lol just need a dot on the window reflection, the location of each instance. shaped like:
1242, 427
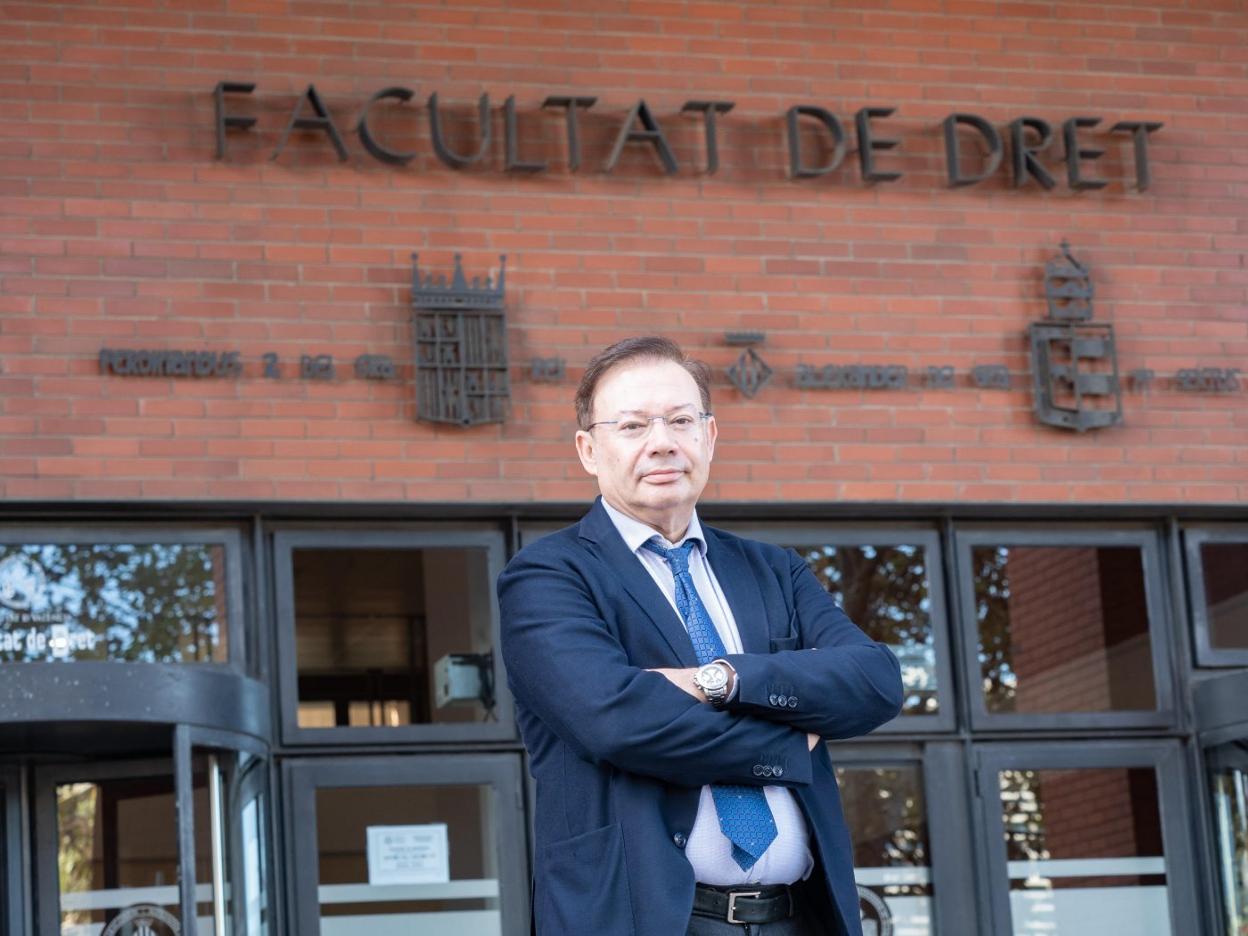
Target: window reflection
884, 590
1224, 567
1085, 853
152, 603
1063, 628
887, 817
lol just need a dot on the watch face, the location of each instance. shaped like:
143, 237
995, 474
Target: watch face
712, 676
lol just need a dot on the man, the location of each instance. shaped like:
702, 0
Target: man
673, 685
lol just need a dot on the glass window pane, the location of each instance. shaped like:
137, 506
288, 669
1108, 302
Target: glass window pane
1085, 852
1224, 567
117, 855
414, 859
1063, 628
152, 603
884, 590
887, 817
1229, 776
388, 637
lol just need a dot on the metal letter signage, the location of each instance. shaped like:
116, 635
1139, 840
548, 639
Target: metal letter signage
1074, 362
460, 335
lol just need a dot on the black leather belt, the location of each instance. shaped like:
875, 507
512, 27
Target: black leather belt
760, 903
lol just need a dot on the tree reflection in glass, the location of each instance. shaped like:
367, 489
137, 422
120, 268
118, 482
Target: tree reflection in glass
884, 590
154, 602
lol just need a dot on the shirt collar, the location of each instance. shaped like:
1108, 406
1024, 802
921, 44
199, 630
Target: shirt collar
635, 532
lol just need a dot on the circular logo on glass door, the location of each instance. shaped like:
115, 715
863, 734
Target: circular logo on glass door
21, 581
143, 920
877, 919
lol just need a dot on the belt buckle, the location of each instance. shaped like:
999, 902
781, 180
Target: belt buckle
732, 904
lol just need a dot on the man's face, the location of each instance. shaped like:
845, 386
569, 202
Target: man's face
658, 476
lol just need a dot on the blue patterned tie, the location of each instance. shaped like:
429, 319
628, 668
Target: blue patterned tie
744, 816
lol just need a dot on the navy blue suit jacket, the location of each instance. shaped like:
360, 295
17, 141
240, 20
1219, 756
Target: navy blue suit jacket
619, 754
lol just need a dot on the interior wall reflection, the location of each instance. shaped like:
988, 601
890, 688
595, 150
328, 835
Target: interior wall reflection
1063, 628
1224, 568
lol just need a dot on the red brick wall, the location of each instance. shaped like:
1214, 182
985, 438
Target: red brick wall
119, 228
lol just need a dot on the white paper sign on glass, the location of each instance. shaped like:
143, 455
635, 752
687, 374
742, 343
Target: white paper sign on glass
409, 854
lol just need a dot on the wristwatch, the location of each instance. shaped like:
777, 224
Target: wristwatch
712, 679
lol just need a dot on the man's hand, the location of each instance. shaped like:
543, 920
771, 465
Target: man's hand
682, 679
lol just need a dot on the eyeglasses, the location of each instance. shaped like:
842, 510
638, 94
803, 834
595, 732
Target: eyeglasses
638, 427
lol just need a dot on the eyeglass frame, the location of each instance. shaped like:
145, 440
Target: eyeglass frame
649, 421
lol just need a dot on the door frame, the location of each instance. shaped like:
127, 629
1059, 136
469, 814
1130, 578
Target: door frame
45, 780
302, 777
15, 857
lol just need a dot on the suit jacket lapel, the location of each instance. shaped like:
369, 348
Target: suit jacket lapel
611, 548
738, 580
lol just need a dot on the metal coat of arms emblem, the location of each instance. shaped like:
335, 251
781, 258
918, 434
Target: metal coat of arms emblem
1074, 360
460, 335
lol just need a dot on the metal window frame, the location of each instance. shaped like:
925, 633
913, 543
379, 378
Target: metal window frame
950, 818
885, 534
1193, 537
302, 777
15, 857
285, 540
1148, 540
147, 533
1165, 757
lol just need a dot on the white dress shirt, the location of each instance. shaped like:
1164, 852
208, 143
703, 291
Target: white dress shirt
788, 857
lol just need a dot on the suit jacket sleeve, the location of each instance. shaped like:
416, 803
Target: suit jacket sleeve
568, 669
836, 682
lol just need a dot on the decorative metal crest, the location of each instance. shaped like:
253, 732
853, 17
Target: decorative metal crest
460, 335
1074, 361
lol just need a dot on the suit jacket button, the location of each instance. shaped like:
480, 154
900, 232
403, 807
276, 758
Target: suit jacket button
782, 700
758, 770
679, 839
772, 699
767, 771
792, 701
777, 771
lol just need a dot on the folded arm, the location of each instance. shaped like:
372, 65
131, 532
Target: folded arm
838, 684
566, 666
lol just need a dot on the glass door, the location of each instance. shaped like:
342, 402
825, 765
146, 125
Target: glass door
162, 847
1228, 778
422, 845
1088, 839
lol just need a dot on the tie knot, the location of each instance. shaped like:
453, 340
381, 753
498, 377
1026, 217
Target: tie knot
677, 557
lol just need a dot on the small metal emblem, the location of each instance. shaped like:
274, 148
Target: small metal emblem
460, 334
750, 374
143, 920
